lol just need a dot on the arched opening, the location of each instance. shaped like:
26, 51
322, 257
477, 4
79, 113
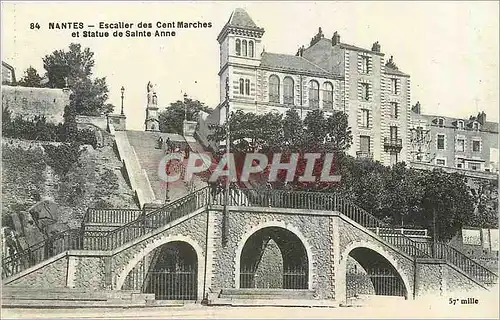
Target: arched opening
370, 273
169, 271
274, 258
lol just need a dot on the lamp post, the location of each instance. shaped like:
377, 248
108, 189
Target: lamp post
226, 193
123, 91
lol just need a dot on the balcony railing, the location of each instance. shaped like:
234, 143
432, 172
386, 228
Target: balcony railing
364, 155
392, 144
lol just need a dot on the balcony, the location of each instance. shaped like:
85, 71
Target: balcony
364, 155
393, 145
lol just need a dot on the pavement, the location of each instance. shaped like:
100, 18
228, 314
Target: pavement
437, 308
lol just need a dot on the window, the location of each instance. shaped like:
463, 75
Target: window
441, 162
288, 90
440, 122
365, 118
364, 144
238, 47
247, 87
476, 126
460, 124
244, 48
394, 110
440, 141
313, 94
394, 133
327, 95
364, 64
274, 89
394, 86
242, 86
250, 49
474, 166
365, 92
420, 134
461, 145
476, 146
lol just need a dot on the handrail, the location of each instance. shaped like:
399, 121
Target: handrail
109, 240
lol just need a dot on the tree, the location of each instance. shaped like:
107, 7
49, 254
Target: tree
172, 118
31, 78
73, 68
448, 197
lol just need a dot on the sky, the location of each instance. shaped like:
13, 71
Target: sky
450, 49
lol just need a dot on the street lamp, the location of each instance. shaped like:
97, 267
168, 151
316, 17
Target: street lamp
122, 90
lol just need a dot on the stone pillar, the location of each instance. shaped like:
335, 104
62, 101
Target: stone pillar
189, 127
118, 121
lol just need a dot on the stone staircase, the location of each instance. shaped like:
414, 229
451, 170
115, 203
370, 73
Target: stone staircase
145, 144
22, 297
267, 297
137, 177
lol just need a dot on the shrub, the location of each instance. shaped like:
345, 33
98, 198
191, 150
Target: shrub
61, 158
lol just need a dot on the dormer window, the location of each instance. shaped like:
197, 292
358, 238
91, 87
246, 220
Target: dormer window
440, 122
475, 126
460, 124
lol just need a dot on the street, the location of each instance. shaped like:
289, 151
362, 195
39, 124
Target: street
439, 308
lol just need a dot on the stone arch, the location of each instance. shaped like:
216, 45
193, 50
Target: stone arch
279, 224
341, 284
157, 243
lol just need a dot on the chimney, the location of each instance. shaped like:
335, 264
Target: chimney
481, 118
376, 47
335, 39
416, 108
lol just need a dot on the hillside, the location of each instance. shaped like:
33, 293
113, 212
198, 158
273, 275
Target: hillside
96, 181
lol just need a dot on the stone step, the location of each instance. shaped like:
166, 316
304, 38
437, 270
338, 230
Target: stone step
272, 303
70, 294
258, 293
9, 303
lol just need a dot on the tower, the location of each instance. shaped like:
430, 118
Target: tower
240, 55
152, 123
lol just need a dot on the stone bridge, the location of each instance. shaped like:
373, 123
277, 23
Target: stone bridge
197, 248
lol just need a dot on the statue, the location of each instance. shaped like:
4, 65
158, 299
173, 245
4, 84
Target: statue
155, 98
150, 91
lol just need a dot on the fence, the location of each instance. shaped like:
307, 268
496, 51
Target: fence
80, 239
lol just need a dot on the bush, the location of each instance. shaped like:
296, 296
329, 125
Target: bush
61, 158
39, 129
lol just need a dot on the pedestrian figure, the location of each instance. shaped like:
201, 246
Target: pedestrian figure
168, 145
160, 143
186, 152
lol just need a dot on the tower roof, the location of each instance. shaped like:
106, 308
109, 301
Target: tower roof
240, 23
240, 18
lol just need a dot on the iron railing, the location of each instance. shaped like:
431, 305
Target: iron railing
41, 251
108, 240
111, 216
173, 285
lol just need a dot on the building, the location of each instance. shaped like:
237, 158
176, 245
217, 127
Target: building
328, 75
469, 146
8, 74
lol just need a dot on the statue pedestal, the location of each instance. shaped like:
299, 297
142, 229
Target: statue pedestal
118, 121
189, 127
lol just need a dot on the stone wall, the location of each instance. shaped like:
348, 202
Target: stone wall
30, 102
51, 275
352, 237
193, 228
242, 224
90, 273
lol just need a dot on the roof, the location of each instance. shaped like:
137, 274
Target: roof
397, 72
291, 63
356, 48
240, 18
241, 21
489, 126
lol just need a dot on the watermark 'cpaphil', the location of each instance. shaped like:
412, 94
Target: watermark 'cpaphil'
240, 167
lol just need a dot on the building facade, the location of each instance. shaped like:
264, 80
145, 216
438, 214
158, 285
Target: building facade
467, 145
8, 74
328, 75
